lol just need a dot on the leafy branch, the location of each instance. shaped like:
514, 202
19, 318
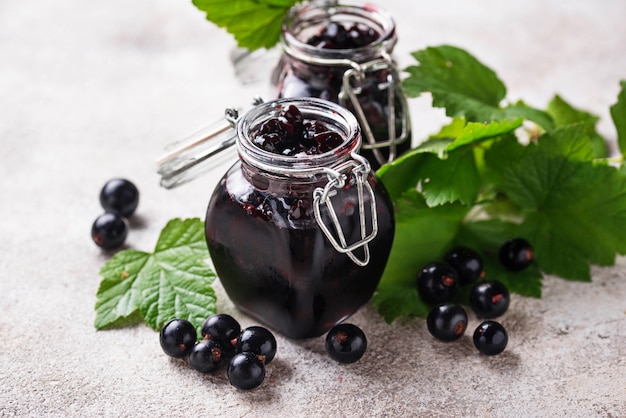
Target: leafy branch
475, 184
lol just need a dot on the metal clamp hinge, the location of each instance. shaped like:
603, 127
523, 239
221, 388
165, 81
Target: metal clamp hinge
322, 196
349, 94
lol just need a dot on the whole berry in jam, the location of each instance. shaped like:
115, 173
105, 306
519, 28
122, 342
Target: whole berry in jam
177, 338
257, 340
516, 254
326, 141
447, 322
224, 329
292, 120
245, 371
206, 356
119, 196
109, 231
489, 299
467, 263
490, 338
437, 282
345, 343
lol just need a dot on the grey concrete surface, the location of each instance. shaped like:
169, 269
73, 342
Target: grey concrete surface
93, 90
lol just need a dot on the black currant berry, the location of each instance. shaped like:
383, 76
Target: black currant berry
447, 322
490, 338
489, 299
177, 338
516, 254
109, 231
437, 282
327, 141
257, 340
467, 263
119, 196
245, 371
224, 329
292, 120
221, 327
206, 356
345, 343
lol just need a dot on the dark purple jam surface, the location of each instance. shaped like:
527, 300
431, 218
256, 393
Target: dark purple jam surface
290, 134
299, 79
277, 265
336, 36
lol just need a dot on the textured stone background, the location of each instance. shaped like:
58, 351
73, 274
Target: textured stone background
93, 90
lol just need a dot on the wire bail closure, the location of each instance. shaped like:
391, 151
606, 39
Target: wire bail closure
350, 94
322, 196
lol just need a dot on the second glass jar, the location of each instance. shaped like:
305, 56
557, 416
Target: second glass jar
342, 53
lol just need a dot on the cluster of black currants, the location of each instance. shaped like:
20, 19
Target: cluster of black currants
290, 134
245, 352
119, 199
438, 282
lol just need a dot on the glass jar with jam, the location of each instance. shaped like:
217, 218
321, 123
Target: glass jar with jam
343, 53
299, 229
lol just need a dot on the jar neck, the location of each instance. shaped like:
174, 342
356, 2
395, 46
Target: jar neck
306, 19
302, 167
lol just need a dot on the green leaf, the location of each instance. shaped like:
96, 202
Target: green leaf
457, 81
393, 301
172, 282
474, 132
450, 179
522, 110
465, 87
618, 114
119, 295
569, 142
406, 171
565, 114
486, 234
403, 173
254, 23
576, 209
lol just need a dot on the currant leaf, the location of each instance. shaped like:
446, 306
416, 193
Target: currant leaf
254, 24
172, 282
565, 114
618, 113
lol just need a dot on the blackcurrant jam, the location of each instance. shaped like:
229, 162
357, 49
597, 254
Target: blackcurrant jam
342, 53
299, 229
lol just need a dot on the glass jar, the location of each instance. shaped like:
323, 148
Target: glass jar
363, 79
299, 242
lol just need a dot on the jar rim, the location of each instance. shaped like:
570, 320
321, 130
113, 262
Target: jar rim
316, 12
304, 166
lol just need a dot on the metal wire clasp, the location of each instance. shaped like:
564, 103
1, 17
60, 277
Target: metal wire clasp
337, 178
349, 93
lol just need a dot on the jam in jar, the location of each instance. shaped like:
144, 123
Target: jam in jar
299, 229
342, 53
